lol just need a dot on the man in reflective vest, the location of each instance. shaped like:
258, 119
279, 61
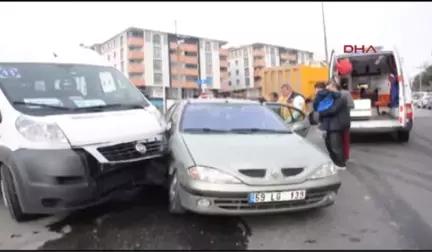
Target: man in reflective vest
291, 98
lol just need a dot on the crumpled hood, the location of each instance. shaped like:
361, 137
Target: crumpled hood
105, 127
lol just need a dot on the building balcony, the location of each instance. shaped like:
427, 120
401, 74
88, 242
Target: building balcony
257, 72
139, 82
288, 57
184, 71
135, 68
135, 55
184, 59
136, 42
258, 53
223, 52
259, 63
223, 63
185, 47
184, 84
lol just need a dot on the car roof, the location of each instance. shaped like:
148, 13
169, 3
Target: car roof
220, 100
50, 54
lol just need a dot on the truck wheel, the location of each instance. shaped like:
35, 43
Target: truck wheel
175, 206
10, 196
403, 136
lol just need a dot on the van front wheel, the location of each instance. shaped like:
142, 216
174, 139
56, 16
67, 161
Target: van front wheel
403, 136
10, 197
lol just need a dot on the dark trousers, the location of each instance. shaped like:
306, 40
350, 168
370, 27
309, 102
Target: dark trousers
335, 146
346, 141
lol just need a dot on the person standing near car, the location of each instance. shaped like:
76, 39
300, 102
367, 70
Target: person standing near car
346, 94
337, 118
274, 97
293, 99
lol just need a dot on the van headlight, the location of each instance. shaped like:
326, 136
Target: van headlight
323, 171
211, 175
40, 131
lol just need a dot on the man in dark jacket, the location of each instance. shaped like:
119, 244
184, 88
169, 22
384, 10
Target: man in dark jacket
337, 119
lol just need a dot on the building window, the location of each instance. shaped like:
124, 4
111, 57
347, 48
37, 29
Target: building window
245, 52
246, 62
157, 78
246, 70
237, 72
114, 55
157, 52
122, 66
207, 46
209, 64
121, 53
121, 40
247, 82
108, 57
236, 62
156, 39
229, 83
229, 64
157, 65
238, 82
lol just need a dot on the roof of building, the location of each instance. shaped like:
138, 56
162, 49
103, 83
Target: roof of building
266, 44
222, 42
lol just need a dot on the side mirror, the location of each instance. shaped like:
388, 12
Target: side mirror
301, 128
169, 126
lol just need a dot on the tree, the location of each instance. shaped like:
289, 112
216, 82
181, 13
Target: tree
426, 79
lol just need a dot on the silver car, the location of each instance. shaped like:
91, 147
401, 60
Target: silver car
239, 157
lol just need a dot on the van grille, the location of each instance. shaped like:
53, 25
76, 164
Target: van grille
127, 151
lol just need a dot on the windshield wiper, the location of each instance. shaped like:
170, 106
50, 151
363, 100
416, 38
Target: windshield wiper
255, 130
109, 106
200, 130
41, 105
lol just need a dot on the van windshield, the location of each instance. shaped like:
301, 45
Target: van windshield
67, 88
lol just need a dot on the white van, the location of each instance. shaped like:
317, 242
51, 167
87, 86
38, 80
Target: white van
375, 110
73, 130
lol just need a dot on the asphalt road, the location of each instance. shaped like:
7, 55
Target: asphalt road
384, 203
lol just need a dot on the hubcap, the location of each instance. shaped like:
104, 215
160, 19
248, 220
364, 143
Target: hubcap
3, 192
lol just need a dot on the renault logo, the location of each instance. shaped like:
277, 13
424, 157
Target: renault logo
140, 147
275, 174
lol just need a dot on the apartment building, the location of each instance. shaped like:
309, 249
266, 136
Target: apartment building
246, 62
154, 60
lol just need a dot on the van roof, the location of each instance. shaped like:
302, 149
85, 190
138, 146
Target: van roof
34, 54
351, 55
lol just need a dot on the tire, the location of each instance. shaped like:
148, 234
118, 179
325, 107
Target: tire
403, 136
10, 196
429, 108
175, 206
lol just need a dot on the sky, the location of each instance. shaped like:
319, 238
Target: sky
290, 24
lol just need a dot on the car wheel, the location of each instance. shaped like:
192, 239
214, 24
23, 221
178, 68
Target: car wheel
403, 136
10, 197
429, 108
175, 206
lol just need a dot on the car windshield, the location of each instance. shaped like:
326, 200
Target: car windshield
67, 88
226, 117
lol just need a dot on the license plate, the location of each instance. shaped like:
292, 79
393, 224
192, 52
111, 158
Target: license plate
262, 197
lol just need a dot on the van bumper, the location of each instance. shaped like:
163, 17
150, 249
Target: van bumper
53, 181
378, 126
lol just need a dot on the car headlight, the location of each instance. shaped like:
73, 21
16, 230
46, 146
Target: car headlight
157, 114
323, 171
40, 131
211, 175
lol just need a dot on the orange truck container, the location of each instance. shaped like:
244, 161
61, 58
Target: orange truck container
302, 78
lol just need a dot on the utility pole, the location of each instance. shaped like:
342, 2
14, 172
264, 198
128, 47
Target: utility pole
179, 68
325, 32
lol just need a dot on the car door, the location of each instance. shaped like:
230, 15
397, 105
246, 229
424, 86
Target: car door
296, 119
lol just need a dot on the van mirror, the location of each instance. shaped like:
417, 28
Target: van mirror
1, 117
169, 126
